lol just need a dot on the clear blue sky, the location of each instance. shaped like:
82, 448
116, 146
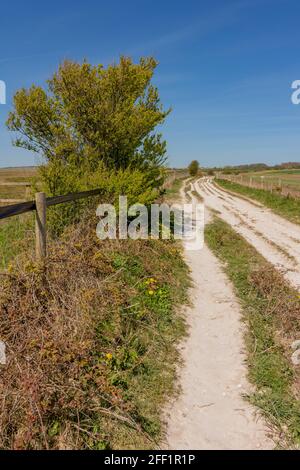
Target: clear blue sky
226, 67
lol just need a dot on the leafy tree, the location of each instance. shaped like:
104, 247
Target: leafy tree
89, 116
193, 168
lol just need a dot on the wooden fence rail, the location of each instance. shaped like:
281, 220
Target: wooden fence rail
39, 205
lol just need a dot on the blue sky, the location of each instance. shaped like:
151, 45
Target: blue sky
226, 68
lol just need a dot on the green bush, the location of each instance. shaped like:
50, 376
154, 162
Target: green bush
57, 178
193, 168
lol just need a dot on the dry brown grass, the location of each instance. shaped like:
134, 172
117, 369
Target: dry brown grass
283, 301
283, 304
17, 174
90, 351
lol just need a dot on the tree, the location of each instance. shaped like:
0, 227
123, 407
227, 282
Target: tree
193, 168
90, 115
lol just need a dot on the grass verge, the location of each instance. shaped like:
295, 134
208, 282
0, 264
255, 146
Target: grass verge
16, 236
272, 315
91, 342
172, 192
282, 205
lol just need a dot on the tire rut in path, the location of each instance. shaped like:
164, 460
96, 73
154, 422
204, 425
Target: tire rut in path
210, 412
274, 237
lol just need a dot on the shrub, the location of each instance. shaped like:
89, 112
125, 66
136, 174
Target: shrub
193, 168
91, 116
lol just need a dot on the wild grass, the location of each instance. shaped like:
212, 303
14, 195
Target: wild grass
15, 175
272, 315
12, 192
18, 173
284, 206
16, 236
172, 192
91, 342
289, 178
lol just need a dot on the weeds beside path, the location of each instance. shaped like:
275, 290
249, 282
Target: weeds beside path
90, 342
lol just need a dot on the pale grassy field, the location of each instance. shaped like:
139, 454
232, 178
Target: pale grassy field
15, 232
15, 175
289, 178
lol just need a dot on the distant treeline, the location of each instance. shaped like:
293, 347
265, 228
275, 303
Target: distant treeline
254, 167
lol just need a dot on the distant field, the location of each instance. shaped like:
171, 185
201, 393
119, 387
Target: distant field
289, 178
15, 232
15, 175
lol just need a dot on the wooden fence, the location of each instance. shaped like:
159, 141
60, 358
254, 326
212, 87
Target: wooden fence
39, 205
263, 183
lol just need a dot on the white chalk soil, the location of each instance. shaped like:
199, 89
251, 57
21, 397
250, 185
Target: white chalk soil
277, 239
210, 411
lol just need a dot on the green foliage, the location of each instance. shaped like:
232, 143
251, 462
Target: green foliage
89, 117
135, 184
193, 168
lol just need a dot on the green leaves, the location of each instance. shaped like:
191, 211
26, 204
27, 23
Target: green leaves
193, 168
95, 128
93, 114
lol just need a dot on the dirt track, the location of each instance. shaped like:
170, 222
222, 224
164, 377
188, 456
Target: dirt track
210, 412
274, 237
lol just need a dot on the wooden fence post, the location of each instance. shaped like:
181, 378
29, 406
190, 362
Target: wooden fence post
40, 226
27, 192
